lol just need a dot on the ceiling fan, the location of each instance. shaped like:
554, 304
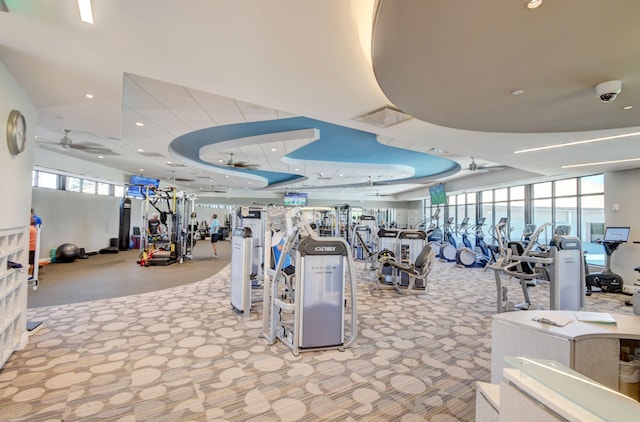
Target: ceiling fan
216, 189
175, 178
90, 147
473, 166
240, 164
378, 194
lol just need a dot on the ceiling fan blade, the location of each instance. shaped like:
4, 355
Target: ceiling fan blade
92, 149
244, 165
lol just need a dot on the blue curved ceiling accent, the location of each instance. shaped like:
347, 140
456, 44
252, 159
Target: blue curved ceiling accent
336, 144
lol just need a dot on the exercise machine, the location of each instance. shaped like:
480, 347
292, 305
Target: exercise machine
387, 244
448, 245
243, 283
606, 280
253, 218
364, 236
564, 267
306, 307
405, 264
467, 255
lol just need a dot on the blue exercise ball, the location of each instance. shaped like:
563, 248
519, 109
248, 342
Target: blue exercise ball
67, 252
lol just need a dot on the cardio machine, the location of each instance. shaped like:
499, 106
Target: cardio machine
606, 280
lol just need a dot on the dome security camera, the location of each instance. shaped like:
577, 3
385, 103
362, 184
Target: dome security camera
608, 91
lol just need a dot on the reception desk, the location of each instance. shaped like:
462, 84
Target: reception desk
592, 349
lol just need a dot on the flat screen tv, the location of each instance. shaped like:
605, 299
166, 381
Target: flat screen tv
438, 194
137, 186
295, 199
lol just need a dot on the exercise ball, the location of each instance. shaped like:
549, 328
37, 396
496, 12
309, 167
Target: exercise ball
67, 252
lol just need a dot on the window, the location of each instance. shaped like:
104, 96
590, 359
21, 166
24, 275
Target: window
592, 184
74, 184
118, 190
88, 186
103, 188
47, 180
542, 190
542, 211
566, 187
592, 218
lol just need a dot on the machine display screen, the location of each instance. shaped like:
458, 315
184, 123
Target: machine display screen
616, 234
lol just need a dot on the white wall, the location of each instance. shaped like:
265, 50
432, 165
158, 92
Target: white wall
15, 172
87, 221
622, 188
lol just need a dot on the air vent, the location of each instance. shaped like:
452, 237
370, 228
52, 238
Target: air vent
384, 117
176, 165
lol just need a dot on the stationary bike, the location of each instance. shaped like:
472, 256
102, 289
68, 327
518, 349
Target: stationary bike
606, 280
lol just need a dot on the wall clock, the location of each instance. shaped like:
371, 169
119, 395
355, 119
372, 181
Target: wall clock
16, 132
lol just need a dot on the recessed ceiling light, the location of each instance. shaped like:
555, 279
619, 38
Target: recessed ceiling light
227, 176
221, 161
89, 96
273, 149
517, 92
296, 169
629, 107
140, 150
626, 160
586, 141
168, 162
100, 156
86, 15
141, 170
534, 4
139, 124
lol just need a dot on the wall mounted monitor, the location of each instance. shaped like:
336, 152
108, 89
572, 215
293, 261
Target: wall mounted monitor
295, 199
438, 194
137, 186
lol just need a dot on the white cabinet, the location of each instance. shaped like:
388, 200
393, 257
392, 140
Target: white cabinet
13, 291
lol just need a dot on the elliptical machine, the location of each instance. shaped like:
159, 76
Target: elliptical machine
449, 245
607, 280
467, 255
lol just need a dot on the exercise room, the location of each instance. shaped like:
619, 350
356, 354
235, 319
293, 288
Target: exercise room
321, 210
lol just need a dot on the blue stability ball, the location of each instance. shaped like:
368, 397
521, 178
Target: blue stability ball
67, 252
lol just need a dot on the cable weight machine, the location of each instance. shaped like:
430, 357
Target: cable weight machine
305, 304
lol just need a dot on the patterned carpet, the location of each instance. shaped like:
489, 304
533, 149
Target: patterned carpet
183, 355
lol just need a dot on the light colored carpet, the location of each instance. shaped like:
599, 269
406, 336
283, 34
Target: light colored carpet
182, 354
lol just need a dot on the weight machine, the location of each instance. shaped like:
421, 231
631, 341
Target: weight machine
177, 212
364, 242
405, 265
305, 304
253, 217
